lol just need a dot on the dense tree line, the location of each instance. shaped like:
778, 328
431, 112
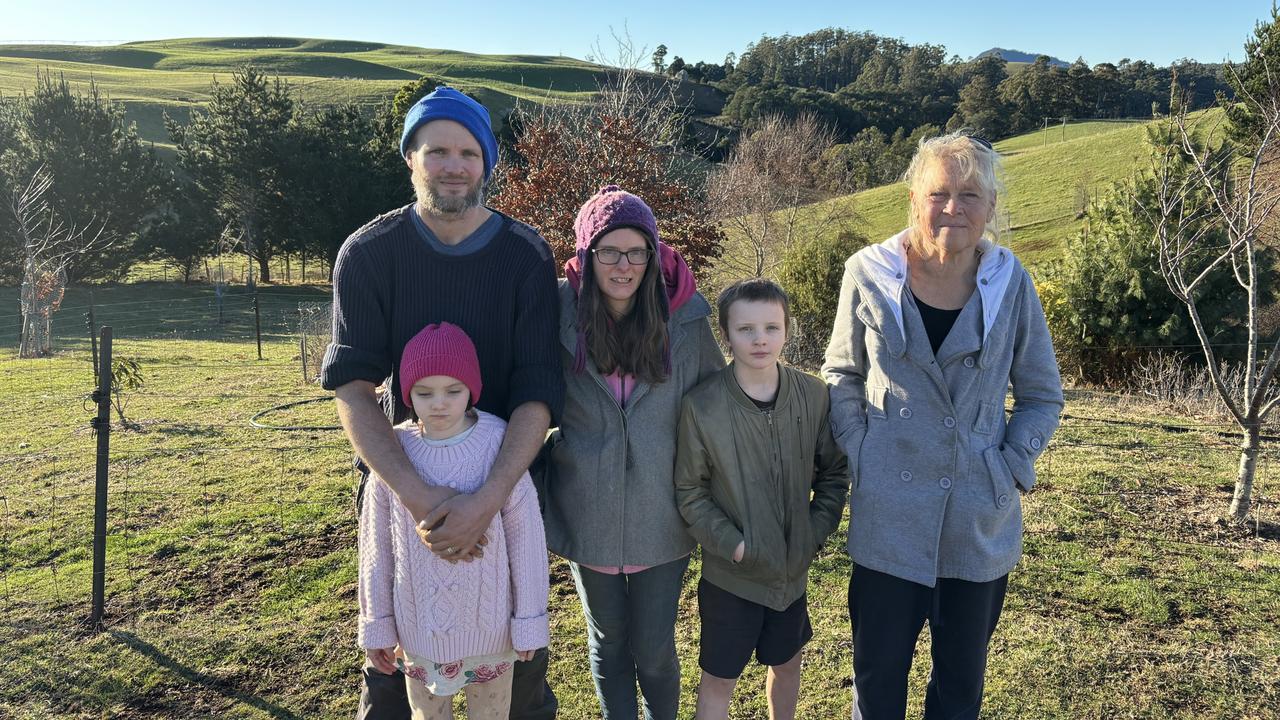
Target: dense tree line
859, 80
259, 172
103, 177
281, 177
255, 171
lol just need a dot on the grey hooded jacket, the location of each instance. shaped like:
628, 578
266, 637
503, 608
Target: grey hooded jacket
610, 488
937, 468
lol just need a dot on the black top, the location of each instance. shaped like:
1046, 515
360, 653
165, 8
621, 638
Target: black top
388, 283
937, 323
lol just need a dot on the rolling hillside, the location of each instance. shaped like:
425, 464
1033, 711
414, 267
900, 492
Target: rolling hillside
1046, 178
151, 78
1048, 173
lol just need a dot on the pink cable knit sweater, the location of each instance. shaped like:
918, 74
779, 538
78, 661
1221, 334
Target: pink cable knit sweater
441, 611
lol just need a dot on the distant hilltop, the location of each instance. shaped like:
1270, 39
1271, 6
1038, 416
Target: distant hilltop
1022, 57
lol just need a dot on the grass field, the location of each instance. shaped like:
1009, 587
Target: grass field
231, 563
173, 76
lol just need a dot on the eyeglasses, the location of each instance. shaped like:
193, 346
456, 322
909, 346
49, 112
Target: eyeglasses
612, 256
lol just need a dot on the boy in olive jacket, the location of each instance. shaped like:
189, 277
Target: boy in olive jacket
761, 483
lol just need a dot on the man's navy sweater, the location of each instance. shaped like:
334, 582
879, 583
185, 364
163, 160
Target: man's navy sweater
388, 283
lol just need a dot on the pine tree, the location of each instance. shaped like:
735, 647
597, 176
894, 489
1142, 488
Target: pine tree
238, 152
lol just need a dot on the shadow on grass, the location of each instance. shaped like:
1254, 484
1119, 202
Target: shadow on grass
195, 677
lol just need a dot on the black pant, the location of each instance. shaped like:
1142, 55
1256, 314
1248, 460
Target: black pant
383, 697
887, 614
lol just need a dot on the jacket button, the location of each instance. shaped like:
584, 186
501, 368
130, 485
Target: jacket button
905, 413
905, 475
1003, 501
984, 281
1035, 443
968, 362
945, 483
949, 421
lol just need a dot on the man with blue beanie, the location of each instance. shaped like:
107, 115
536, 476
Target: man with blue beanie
447, 258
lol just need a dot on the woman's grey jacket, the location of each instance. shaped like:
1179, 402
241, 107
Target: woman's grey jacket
610, 489
937, 469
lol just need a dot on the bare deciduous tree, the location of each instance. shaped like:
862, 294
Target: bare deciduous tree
1208, 189
766, 198
49, 245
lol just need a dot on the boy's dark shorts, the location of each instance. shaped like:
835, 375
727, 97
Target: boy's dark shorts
733, 628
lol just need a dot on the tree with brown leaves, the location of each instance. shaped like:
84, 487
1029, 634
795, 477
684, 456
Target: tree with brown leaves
627, 137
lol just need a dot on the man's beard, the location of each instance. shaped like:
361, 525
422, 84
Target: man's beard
433, 203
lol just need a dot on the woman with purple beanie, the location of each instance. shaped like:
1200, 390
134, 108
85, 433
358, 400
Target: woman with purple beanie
636, 337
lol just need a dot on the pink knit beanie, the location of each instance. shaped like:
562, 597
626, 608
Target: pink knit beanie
442, 349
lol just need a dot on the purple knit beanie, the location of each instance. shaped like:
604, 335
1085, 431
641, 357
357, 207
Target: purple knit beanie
442, 349
610, 209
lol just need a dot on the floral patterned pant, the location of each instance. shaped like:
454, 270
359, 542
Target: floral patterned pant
486, 700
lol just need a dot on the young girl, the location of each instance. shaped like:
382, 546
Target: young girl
457, 625
635, 338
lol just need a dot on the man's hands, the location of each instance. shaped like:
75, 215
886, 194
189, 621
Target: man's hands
739, 551
454, 529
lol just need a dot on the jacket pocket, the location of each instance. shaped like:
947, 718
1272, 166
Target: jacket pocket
1003, 491
760, 561
988, 416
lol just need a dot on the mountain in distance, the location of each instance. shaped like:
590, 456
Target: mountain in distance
1021, 57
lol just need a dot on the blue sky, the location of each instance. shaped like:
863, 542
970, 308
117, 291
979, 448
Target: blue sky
1098, 30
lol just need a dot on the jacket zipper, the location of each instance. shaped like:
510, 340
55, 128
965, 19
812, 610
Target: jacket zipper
622, 512
778, 492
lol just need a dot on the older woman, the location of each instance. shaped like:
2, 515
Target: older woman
933, 326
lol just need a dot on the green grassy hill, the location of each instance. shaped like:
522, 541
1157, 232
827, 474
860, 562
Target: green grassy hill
1050, 173
1047, 178
152, 78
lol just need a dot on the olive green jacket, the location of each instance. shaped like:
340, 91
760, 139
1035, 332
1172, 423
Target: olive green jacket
775, 479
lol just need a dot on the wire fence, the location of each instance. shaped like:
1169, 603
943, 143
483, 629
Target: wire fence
216, 522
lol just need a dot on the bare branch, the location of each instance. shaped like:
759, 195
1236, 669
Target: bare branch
765, 195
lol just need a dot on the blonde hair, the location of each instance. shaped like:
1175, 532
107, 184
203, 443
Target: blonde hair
975, 161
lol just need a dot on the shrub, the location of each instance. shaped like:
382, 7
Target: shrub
811, 273
1106, 301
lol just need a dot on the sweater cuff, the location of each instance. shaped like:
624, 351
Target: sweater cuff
1020, 467
850, 442
343, 364
378, 633
530, 633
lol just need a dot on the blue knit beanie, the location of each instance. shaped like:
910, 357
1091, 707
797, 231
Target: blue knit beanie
445, 103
